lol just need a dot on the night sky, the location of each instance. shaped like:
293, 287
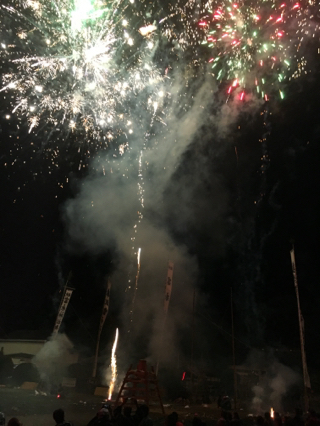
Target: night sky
234, 211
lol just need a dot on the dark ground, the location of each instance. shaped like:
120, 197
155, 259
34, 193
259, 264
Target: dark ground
32, 409
36, 410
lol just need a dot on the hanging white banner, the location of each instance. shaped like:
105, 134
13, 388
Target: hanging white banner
104, 314
105, 307
168, 287
62, 309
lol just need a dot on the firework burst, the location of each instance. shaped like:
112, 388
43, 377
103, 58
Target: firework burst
250, 46
76, 65
256, 44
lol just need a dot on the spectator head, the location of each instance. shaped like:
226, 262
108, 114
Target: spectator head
127, 411
58, 416
172, 419
117, 411
14, 422
103, 412
144, 410
174, 415
196, 421
260, 421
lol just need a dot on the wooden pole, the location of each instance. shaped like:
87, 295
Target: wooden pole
192, 339
102, 320
235, 382
306, 379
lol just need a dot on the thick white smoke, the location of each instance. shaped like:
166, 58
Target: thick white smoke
53, 360
276, 380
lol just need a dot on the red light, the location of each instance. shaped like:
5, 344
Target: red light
241, 96
202, 24
183, 376
58, 396
296, 6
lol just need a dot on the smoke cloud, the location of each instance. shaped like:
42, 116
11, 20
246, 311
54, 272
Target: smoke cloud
276, 381
103, 215
53, 360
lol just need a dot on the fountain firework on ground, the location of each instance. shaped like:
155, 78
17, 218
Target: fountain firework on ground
113, 365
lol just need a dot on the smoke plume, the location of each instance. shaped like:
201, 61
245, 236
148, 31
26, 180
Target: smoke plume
103, 215
53, 360
276, 382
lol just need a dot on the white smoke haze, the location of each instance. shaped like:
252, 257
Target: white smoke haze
179, 131
53, 360
258, 398
274, 384
104, 211
106, 374
229, 112
283, 379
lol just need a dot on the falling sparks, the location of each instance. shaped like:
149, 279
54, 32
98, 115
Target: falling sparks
135, 289
80, 66
253, 41
256, 43
113, 365
138, 258
76, 66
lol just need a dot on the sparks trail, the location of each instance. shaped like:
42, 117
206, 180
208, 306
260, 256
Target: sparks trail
265, 160
113, 365
140, 192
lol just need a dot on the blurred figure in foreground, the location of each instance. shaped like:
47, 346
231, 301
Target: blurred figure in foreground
236, 420
58, 417
14, 422
173, 420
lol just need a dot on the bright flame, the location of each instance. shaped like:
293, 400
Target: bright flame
138, 256
148, 29
272, 413
113, 365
